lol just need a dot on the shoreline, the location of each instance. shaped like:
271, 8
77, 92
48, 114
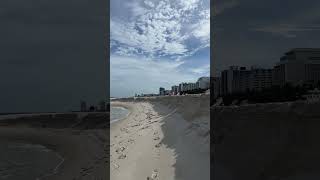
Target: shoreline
127, 106
119, 119
55, 170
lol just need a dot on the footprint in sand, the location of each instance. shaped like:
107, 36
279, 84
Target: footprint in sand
145, 127
122, 156
130, 141
125, 130
116, 166
151, 122
136, 125
121, 149
154, 175
158, 145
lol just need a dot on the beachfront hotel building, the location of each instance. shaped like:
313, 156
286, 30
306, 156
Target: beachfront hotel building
161, 91
240, 80
191, 86
174, 90
230, 78
298, 66
183, 87
203, 83
260, 79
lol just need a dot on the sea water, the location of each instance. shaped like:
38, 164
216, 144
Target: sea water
117, 113
27, 161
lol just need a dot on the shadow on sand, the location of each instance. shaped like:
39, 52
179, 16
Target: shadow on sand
192, 150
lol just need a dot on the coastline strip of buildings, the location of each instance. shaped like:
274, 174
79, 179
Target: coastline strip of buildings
299, 66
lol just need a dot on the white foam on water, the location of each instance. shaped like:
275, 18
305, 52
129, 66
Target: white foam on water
117, 113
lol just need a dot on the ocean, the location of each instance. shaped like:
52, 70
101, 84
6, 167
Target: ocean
117, 113
27, 161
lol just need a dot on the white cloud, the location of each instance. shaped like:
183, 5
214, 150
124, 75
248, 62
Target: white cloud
159, 29
135, 8
202, 28
150, 46
130, 75
149, 3
189, 4
202, 70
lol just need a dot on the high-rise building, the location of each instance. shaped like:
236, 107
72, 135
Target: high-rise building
240, 80
161, 91
175, 90
183, 87
204, 82
229, 80
190, 86
260, 79
298, 66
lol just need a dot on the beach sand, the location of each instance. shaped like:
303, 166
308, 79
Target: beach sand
164, 138
81, 145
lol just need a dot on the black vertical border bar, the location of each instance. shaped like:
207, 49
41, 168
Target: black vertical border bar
107, 64
212, 59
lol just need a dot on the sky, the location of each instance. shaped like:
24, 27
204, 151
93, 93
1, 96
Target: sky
52, 54
251, 32
157, 43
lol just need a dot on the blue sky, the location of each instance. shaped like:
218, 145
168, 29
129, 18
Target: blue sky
157, 43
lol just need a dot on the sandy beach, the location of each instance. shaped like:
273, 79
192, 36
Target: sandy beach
164, 138
81, 143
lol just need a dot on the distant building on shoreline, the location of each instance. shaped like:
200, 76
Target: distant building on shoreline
202, 84
175, 89
240, 80
300, 66
297, 67
146, 95
161, 91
